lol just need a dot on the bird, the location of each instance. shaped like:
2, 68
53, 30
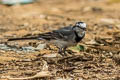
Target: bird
63, 37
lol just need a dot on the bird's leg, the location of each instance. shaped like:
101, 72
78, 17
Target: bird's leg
62, 51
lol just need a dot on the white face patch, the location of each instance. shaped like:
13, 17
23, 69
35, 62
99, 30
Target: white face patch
81, 24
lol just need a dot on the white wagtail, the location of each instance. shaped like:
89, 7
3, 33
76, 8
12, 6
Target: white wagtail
63, 37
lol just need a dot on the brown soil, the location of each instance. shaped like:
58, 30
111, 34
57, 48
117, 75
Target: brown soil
99, 61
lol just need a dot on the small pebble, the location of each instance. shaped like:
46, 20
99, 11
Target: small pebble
40, 47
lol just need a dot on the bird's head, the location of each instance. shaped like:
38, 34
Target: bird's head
81, 25
80, 28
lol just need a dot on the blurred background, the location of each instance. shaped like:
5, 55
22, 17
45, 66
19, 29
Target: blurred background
20, 18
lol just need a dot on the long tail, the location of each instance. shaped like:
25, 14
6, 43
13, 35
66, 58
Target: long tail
28, 38
45, 36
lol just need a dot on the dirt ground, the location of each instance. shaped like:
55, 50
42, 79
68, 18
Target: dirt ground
100, 59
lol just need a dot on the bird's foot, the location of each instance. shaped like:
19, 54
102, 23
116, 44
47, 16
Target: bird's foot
62, 54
